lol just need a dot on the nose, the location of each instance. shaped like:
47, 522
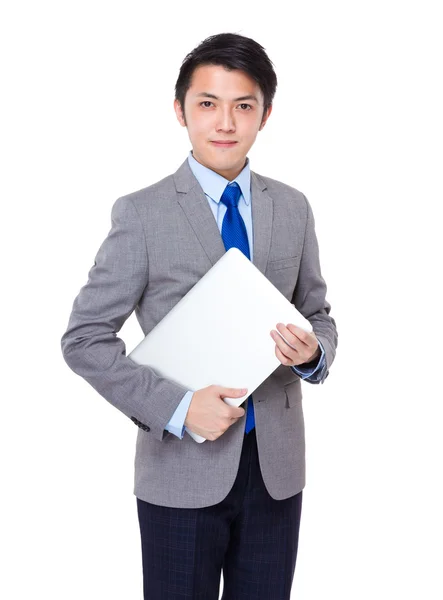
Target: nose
225, 121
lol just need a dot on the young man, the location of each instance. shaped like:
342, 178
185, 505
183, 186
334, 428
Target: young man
234, 502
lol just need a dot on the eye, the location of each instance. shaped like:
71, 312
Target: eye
209, 102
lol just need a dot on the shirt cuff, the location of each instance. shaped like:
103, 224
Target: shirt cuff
176, 423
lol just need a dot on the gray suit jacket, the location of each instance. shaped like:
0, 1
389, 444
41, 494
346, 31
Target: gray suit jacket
163, 239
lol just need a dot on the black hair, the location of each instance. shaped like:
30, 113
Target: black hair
232, 51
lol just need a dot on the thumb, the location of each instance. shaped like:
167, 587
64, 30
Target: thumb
232, 392
236, 411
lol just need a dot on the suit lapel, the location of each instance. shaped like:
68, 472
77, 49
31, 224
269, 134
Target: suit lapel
195, 205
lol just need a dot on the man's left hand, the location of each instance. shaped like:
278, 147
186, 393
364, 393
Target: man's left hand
302, 346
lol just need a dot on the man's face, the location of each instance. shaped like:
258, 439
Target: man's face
228, 116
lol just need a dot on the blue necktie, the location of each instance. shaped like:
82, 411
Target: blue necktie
234, 235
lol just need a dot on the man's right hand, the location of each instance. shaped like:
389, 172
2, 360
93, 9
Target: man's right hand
208, 415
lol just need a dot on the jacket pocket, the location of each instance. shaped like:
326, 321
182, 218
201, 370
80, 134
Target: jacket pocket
283, 263
293, 393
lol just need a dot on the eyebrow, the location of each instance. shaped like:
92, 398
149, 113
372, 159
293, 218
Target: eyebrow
208, 95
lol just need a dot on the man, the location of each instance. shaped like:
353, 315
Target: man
234, 502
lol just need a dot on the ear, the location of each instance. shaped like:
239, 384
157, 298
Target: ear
266, 117
179, 113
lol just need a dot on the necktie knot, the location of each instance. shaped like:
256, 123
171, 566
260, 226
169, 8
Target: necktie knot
231, 195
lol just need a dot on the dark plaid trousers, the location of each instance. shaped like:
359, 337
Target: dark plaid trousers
249, 535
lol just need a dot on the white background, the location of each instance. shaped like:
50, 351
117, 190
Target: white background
87, 116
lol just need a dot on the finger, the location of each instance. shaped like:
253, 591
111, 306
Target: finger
282, 357
300, 334
291, 339
285, 347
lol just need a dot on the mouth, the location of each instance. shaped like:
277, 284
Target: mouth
221, 144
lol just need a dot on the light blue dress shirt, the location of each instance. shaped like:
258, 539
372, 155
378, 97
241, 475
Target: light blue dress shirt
214, 185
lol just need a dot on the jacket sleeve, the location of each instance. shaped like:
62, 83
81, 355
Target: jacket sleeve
90, 345
310, 296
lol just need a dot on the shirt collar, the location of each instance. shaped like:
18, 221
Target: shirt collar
214, 184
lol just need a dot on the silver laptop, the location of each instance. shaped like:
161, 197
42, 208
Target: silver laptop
220, 331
